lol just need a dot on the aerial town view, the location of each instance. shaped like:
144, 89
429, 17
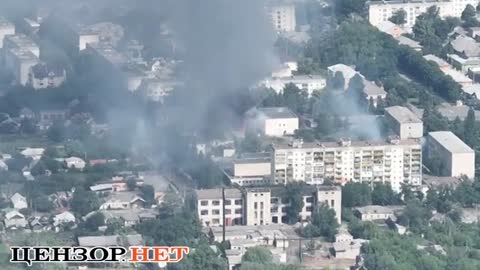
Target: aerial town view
239, 135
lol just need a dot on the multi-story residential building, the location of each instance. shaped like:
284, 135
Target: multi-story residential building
6, 28
211, 203
454, 157
404, 122
283, 17
306, 83
262, 206
273, 121
380, 11
393, 160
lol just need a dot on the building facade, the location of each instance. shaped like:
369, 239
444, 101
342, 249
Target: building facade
451, 154
404, 122
262, 206
6, 28
273, 121
380, 11
283, 17
393, 161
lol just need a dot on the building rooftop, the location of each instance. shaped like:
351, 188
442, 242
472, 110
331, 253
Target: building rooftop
439, 61
111, 240
466, 45
346, 143
450, 141
23, 54
463, 61
403, 40
21, 40
473, 89
216, 193
277, 112
397, 2
347, 71
109, 53
453, 111
437, 181
402, 115
379, 209
386, 26
371, 89
4, 23
457, 76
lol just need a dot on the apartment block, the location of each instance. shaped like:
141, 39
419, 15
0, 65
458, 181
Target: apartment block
262, 206
404, 122
6, 28
211, 203
393, 160
283, 17
380, 11
453, 155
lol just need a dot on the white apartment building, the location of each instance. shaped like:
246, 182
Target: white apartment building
19, 62
307, 83
283, 17
210, 207
394, 161
454, 155
404, 122
380, 11
21, 41
273, 121
262, 206
6, 28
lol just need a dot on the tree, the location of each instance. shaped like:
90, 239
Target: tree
415, 216
356, 194
250, 144
94, 221
399, 17
18, 162
202, 258
41, 203
39, 168
28, 126
258, 255
293, 193
468, 13
56, 132
148, 194
383, 194
84, 202
131, 184
324, 223
344, 8
471, 129
338, 81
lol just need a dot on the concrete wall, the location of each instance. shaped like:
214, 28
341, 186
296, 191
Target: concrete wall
463, 164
